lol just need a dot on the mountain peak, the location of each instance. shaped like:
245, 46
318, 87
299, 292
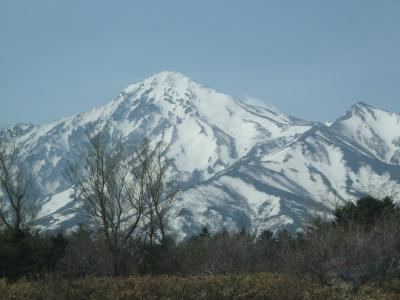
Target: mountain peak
169, 75
164, 80
359, 109
372, 128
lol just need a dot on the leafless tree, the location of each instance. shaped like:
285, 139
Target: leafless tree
100, 174
122, 189
155, 186
17, 196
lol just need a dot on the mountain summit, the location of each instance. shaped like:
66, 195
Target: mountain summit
243, 166
376, 130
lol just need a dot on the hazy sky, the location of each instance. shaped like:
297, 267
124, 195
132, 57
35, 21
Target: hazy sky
310, 59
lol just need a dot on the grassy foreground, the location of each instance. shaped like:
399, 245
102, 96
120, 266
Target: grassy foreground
247, 286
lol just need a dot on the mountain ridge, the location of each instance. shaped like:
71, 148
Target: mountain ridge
241, 165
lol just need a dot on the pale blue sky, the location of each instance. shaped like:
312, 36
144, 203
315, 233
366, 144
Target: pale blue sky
310, 59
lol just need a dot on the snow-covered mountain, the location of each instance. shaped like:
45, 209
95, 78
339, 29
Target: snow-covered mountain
287, 188
375, 130
242, 165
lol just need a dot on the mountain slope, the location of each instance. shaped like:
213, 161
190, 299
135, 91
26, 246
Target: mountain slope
205, 132
242, 166
287, 188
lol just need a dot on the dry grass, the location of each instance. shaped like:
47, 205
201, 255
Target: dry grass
247, 286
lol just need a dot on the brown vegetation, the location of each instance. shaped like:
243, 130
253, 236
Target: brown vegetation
250, 286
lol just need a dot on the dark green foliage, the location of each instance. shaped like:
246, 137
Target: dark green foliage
159, 259
365, 211
29, 254
205, 233
265, 236
58, 243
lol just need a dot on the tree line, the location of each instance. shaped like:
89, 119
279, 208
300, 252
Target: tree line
128, 193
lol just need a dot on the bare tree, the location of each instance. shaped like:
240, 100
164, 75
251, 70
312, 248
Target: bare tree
157, 188
100, 175
121, 191
17, 197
